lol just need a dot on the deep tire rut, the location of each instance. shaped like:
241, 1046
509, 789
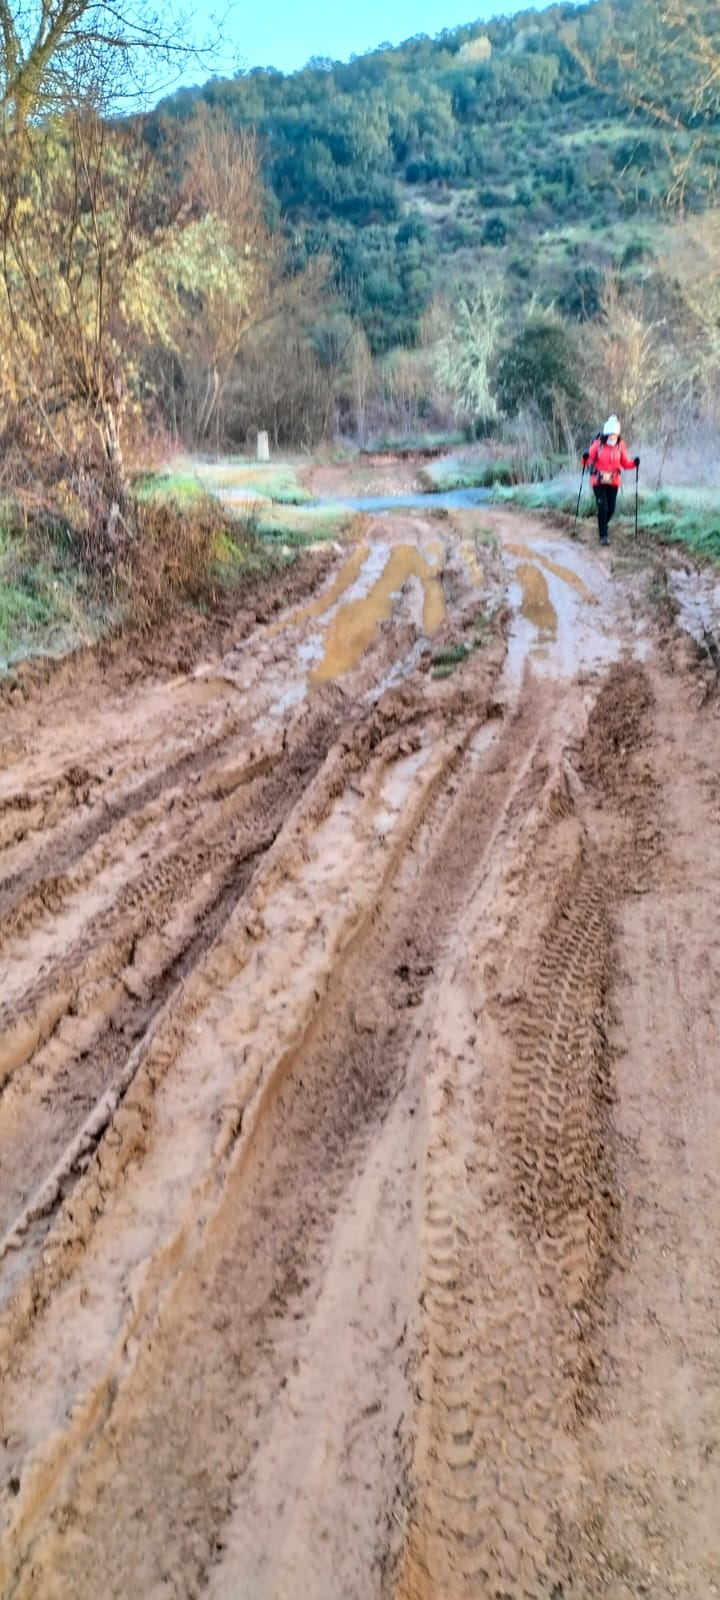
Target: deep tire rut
69, 1042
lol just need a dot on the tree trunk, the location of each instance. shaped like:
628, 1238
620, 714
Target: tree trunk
113, 451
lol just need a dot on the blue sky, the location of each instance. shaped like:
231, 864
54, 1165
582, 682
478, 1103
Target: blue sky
285, 33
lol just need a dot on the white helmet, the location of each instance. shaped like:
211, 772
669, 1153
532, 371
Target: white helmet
611, 426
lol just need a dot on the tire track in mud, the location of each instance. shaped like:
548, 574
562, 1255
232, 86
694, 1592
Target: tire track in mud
67, 1043
67, 1102
555, 1121
520, 1208
496, 909
519, 1225
46, 879
64, 1086
312, 1135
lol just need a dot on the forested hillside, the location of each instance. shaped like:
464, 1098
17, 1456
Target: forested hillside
539, 150
498, 231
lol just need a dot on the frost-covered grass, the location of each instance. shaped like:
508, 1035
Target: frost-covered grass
186, 477
478, 468
265, 499
268, 480
685, 515
413, 443
45, 605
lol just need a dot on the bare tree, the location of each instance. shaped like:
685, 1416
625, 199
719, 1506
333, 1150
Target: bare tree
630, 359
49, 47
469, 329
228, 282
82, 204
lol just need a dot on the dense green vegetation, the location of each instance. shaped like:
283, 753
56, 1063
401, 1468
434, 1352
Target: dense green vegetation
561, 137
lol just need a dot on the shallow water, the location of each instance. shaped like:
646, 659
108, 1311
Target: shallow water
563, 610
356, 621
448, 500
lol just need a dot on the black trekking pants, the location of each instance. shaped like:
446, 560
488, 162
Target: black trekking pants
606, 497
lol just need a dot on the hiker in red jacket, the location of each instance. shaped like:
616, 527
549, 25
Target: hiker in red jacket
607, 457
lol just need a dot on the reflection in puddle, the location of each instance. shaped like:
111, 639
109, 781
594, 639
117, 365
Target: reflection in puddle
567, 575
353, 628
347, 575
536, 604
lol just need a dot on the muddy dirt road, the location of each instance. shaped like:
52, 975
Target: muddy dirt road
360, 1096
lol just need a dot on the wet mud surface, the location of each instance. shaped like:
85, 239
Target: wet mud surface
359, 1018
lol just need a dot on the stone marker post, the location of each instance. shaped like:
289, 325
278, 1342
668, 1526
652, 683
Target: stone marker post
263, 448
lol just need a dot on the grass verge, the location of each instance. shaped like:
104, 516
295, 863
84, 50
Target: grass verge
199, 532
686, 517
187, 478
412, 444
455, 472
48, 605
58, 591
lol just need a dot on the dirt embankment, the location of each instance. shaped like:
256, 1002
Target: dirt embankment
358, 1106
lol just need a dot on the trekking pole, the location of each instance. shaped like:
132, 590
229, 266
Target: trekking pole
637, 475
577, 508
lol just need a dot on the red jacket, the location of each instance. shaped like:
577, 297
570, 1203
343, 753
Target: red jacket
606, 462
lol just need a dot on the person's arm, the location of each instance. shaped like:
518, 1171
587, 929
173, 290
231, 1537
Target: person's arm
627, 461
592, 453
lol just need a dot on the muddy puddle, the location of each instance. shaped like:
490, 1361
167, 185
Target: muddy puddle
349, 573
356, 622
364, 594
557, 623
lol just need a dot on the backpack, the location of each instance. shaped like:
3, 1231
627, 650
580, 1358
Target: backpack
605, 477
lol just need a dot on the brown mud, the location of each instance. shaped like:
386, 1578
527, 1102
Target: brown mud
359, 1152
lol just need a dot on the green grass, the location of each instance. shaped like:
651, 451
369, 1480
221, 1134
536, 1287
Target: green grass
271, 481
21, 611
450, 655
42, 601
180, 486
302, 525
442, 477
547, 496
483, 629
446, 658
278, 533
685, 517
235, 560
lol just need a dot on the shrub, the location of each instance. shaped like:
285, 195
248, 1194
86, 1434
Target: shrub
175, 555
495, 231
542, 368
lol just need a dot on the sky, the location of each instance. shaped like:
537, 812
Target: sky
285, 33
